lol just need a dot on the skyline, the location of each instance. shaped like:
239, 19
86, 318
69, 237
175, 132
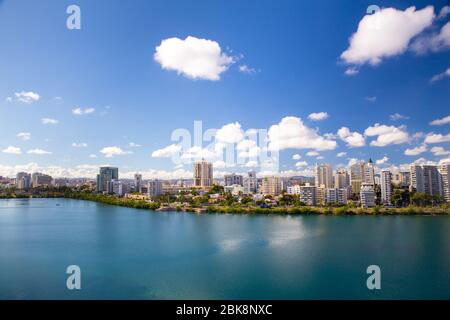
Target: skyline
107, 90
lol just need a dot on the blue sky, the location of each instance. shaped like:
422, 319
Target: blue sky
279, 60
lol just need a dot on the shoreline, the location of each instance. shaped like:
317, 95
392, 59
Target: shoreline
218, 209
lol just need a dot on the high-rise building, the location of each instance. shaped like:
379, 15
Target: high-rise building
356, 176
155, 188
104, 178
335, 196
138, 182
232, 179
426, 179
367, 195
23, 180
203, 174
293, 189
369, 173
324, 175
271, 186
386, 187
119, 188
308, 194
444, 169
251, 183
342, 179
39, 179
405, 178
417, 183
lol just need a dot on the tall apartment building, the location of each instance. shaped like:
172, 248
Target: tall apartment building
426, 179
367, 194
203, 174
39, 179
155, 188
104, 178
324, 176
308, 194
232, 179
386, 187
342, 179
369, 173
293, 189
251, 183
138, 182
271, 186
119, 188
23, 180
444, 170
335, 196
356, 176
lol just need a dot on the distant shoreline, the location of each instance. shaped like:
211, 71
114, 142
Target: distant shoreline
239, 209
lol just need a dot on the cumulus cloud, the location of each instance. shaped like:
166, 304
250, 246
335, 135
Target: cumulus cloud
134, 145
12, 150
416, 151
353, 139
398, 116
246, 69
197, 153
230, 133
24, 136
318, 116
437, 138
351, 71
80, 111
248, 149
312, 153
387, 135
386, 33
167, 152
440, 122
341, 154
291, 132
110, 152
301, 164
440, 151
38, 152
371, 99
433, 42
193, 57
441, 75
27, 97
49, 121
296, 157
382, 160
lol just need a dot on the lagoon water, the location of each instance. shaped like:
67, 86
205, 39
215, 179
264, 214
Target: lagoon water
137, 254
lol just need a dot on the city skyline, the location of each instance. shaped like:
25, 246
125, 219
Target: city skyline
323, 100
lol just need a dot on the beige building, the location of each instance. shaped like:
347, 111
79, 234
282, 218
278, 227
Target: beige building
271, 186
203, 174
324, 176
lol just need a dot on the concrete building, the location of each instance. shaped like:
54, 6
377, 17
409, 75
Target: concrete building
293, 189
367, 194
426, 179
369, 173
308, 194
341, 179
23, 180
119, 188
271, 186
41, 180
251, 183
386, 187
324, 176
232, 179
235, 189
155, 188
356, 176
104, 178
138, 182
203, 174
335, 196
444, 170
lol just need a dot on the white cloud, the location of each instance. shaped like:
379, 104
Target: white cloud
291, 132
246, 69
251, 164
12, 150
230, 133
439, 122
351, 71
320, 157
440, 151
444, 12
79, 145
301, 164
371, 99
167, 152
433, 42
341, 154
382, 160
193, 57
197, 152
38, 152
296, 157
423, 161
24, 136
444, 161
49, 121
110, 152
437, 138
134, 145
92, 156
353, 139
416, 151
397, 116
312, 153
248, 149
386, 33
80, 111
441, 75
387, 135
318, 116
27, 97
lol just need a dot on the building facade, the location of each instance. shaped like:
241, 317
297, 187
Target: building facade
271, 186
232, 179
203, 174
104, 178
386, 186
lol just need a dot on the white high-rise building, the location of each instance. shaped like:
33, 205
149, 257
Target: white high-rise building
154, 188
426, 179
232, 179
386, 187
293, 189
367, 194
444, 169
308, 194
324, 176
251, 183
138, 182
369, 173
342, 179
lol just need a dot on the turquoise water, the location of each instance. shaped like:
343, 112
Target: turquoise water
136, 254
